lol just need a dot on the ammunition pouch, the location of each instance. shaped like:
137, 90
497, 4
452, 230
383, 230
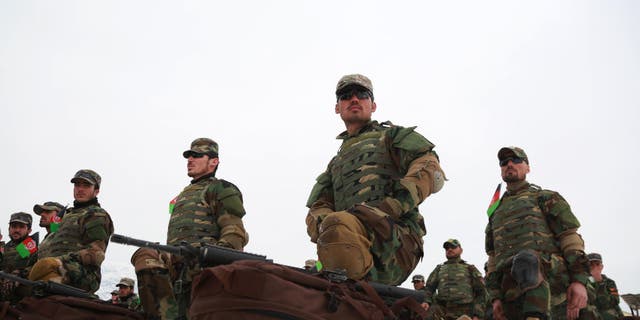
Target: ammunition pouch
525, 270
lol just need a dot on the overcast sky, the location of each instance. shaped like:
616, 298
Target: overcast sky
123, 87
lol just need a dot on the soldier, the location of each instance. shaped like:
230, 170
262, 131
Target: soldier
20, 254
48, 213
607, 299
418, 282
310, 265
114, 297
460, 291
363, 210
73, 255
208, 211
126, 296
536, 257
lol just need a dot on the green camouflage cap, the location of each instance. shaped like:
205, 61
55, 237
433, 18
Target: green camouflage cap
89, 176
451, 242
21, 217
507, 152
354, 79
126, 282
47, 206
202, 146
115, 292
594, 256
417, 277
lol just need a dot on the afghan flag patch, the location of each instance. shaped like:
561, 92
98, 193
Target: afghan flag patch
27, 247
54, 224
495, 201
172, 204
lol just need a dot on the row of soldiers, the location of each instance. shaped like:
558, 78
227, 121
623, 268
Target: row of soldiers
456, 288
363, 217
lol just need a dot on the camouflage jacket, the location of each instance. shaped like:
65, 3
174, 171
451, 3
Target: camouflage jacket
607, 298
458, 282
80, 243
132, 302
209, 210
13, 262
402, 146
557, 222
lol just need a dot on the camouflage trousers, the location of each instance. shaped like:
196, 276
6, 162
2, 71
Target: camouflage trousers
535, 302
81, 276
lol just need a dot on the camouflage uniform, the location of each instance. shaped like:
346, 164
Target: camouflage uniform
607, 299
15, 263
81, 240
208, 211
460, 290
131, 302
539, 220
370, 194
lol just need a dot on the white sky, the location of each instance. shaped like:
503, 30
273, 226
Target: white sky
123, 87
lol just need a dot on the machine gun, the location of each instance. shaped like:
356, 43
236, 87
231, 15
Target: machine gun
47, 288
210, 256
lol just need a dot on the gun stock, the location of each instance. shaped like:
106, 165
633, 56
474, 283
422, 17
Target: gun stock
47, 288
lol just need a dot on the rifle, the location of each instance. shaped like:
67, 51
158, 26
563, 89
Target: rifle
46, 288
211, 255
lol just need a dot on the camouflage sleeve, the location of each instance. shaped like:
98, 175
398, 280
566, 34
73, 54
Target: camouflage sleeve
96, 228
320, 203
479, 292
229, 213
564, 225
414, 156
611, 298
431, 285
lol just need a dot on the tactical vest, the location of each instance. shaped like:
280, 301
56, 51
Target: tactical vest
12, 259
518, 224
363, 170
454, 283
192, 219
67, 238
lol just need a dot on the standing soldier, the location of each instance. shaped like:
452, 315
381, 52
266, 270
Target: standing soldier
459, 286
208, 211
363, 210
20, 254
49, 216
537, 265
126, 296
73, 255
607, 298
418, 282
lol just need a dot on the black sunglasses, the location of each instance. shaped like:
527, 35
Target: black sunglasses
515, 160
194, 155
360, 94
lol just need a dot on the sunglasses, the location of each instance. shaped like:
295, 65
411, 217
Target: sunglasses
515, 160
360, 94
194, 155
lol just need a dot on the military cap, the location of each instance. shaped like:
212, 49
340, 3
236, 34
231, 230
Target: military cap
594, 256
354, 80
451, 242
87, 175
417, 277
114, 293
126, 282
47, 206
21, 217
507, 152
310, 263
202, 146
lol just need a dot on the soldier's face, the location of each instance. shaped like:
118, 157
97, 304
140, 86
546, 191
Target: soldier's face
355, 107
453, 252
595, 267
418, 285
124, 291
84, 191
200, 165
18, 230
45, 217
514, 172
